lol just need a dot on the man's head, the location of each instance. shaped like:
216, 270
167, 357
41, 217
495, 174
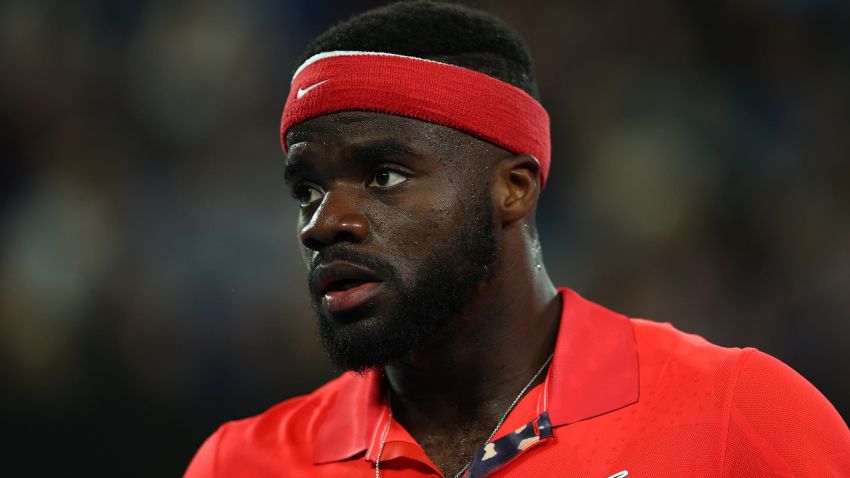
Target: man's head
438, 31
404, 221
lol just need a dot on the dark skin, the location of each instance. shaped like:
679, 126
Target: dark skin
395, 187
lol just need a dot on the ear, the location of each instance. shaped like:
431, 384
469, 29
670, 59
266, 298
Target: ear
517, 187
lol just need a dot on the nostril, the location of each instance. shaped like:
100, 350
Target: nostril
312, 243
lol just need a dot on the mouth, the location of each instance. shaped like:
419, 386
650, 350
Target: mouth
344, 286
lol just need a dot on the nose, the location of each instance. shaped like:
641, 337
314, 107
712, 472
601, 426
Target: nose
337, 219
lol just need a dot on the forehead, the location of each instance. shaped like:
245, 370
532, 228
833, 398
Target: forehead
348, 128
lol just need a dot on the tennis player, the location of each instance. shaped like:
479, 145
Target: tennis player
417, 148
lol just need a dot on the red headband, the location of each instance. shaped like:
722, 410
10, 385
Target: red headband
436, 92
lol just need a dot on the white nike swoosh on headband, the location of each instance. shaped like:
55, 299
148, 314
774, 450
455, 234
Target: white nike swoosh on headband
620, 474
304, 91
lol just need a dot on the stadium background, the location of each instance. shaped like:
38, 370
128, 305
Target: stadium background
150, 285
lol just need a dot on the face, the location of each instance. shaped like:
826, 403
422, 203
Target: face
396, 226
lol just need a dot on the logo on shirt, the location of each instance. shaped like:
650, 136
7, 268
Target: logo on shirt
620, 474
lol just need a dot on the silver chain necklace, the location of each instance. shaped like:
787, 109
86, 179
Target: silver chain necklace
492, 434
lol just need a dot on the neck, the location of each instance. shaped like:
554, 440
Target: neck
475, 367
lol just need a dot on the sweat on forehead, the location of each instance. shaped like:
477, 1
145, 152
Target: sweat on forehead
388, 130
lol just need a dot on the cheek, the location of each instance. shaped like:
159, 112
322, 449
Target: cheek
306, 256
410, 236
306, 253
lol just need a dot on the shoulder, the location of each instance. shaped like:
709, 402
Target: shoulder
282, 428
667, 353
774, 422
780, 418
298, 412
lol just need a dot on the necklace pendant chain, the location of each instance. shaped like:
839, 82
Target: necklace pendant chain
492, 434
383, 440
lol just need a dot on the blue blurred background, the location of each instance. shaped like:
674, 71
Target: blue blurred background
150, 284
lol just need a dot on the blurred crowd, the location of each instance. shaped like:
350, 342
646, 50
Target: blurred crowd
150, 282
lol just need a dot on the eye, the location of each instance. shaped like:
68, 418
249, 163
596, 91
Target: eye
386, 178
307, 195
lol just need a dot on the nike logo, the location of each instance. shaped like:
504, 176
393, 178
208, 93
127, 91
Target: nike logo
304, 91
620, 474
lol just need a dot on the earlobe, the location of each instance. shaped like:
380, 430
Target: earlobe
518, 187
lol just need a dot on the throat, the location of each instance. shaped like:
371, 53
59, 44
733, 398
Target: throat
450, 435
452, 449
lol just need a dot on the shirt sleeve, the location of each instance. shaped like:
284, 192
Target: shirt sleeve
780, 425
204, 464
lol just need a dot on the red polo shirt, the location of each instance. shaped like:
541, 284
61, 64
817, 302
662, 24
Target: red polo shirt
623, 397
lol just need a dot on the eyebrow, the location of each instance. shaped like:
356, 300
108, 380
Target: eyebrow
382, 149
295, 163
368, 153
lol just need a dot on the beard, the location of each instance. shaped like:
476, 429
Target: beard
368, 337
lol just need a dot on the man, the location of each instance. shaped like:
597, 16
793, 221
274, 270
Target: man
417, 149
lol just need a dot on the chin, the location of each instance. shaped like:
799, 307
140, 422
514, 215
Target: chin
367, 340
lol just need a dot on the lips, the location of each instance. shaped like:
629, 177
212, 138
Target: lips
344, 286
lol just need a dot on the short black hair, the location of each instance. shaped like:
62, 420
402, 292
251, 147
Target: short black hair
438, 31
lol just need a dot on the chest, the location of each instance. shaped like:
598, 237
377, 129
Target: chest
644, 448
629, 442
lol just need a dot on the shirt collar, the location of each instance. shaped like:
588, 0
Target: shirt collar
595, 367
353, 421
594, 371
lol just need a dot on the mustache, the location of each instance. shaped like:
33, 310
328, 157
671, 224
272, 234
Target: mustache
358, 258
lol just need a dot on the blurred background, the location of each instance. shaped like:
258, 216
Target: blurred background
150, 284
